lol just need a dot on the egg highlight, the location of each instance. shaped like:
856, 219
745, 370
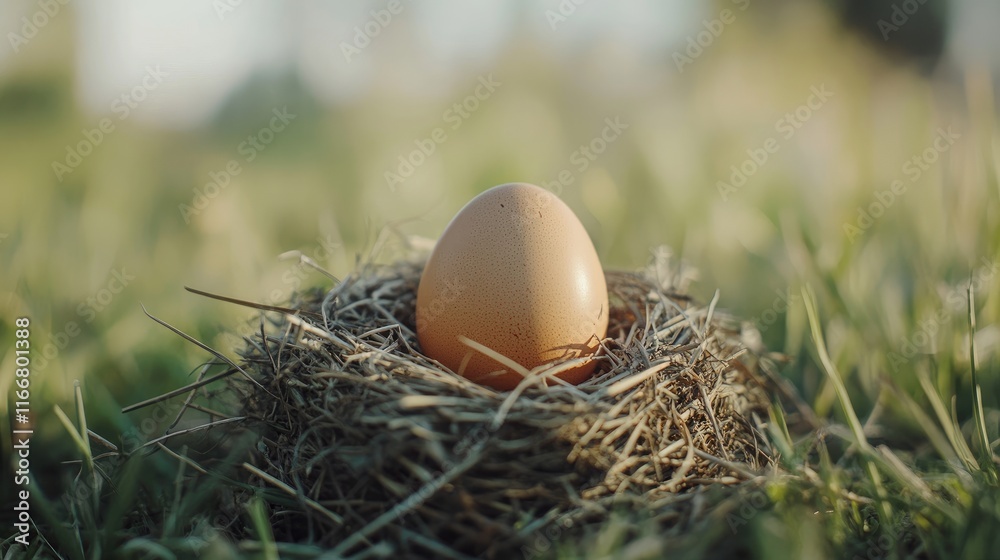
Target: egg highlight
516, 272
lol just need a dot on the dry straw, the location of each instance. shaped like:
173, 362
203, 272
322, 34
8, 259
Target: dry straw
382, 449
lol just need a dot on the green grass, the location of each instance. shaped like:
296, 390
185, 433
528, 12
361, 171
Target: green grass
903, 462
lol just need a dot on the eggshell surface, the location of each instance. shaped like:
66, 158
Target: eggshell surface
516, 272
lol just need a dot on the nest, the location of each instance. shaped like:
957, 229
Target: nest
387, 451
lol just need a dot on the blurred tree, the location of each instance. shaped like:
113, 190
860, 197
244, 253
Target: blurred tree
913, 29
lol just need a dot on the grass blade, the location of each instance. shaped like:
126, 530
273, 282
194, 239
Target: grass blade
835, 378
68, 540
951, 429
122, 501
780, 437
936, 436
88, 453
986, 453
262, 526
73, 433
857, 431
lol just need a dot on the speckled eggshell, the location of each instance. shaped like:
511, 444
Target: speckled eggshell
515, 271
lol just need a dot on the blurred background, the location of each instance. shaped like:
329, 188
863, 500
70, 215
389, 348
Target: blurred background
146, 146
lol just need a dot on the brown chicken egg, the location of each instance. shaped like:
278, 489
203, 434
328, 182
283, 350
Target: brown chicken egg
516, 272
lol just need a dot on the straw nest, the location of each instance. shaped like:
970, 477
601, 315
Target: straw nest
386, 451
